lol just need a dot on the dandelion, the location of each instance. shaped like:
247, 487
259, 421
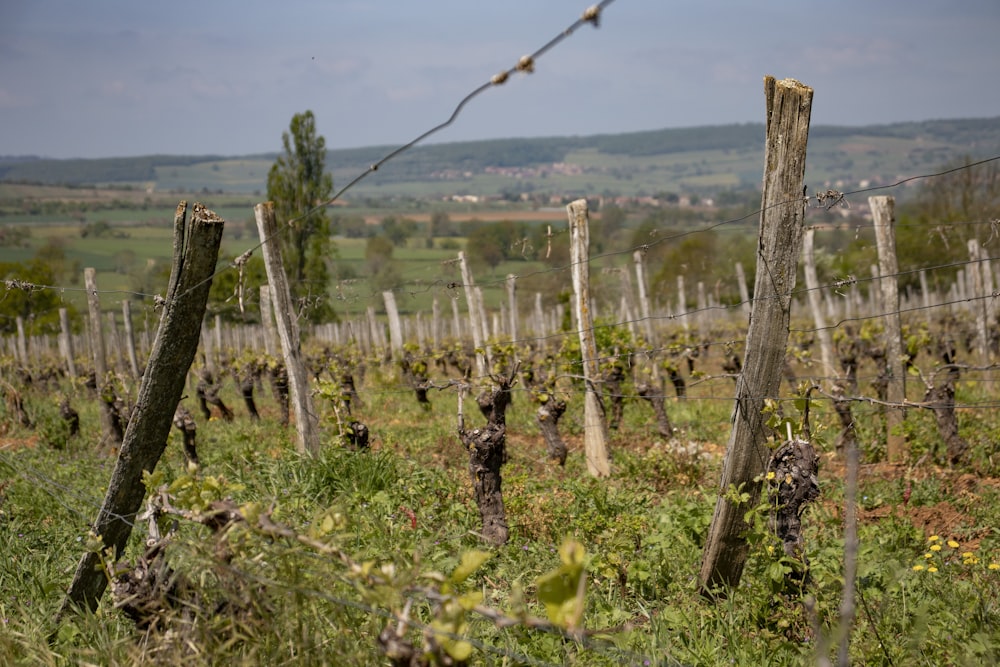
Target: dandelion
918, 568
968, 554
928, 555
932, 569
994, 566
953, 544
933, 538
935, 547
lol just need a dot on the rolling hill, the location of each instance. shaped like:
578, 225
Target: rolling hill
700, 160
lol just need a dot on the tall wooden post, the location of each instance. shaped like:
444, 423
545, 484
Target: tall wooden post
22, 343
474, 314
267, 320
741, 283
436, 324
129, 342
815, 303
109, 434
306, 421
640, 279
512, 304
682, 302
789, 105
66, 342
595, 428
978, 295
884, 219
196, 250
395, 328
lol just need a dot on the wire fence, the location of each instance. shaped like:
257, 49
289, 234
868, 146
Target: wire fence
683, 333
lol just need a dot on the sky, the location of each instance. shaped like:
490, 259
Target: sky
109, 78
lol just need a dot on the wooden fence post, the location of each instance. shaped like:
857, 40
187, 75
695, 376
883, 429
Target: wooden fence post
595, 427
512, 304
978, 295
682, 302
395, 328
306, 422
474, 314
644, 310
884, 220
66, 341
196, 250
741, 283
109, 433
267, 320
789, 105
22, 344
815, 303
133, 359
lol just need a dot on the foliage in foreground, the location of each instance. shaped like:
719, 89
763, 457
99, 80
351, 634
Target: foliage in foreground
370, 538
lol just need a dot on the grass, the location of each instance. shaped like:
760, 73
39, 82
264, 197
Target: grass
406, 508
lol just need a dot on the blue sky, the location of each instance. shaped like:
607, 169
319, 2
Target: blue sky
130, 77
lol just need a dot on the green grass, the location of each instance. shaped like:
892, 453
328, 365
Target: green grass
406, 508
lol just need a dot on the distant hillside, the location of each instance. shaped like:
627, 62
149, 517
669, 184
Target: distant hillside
697, 159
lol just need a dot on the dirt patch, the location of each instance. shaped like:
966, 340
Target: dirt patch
12, 444
941, 519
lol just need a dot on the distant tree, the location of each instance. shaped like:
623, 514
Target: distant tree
947, 212
353, 226
378, 253
39, 308
296, 184
53, 254
493, 243
398, 230
612, 219
440, 225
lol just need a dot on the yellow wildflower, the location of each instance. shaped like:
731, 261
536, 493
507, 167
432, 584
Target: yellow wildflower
917, 568
770, 475
968, 554
928, 555
933, 538
994, 566
932, 569
935, 547
953, 544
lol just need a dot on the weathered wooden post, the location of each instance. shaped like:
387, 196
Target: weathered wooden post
436, 324
595, 428
682, 303
789, 105
539, 316
66, 342
741, 283
395, 328
512, 304
979, 303
196, 250
306, 421
474, 314
646, 312
267, 319
22, 343
815, 303
129, 342
884, 220
109, 432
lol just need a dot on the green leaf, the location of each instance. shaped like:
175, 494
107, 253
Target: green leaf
561, 591
471, 561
